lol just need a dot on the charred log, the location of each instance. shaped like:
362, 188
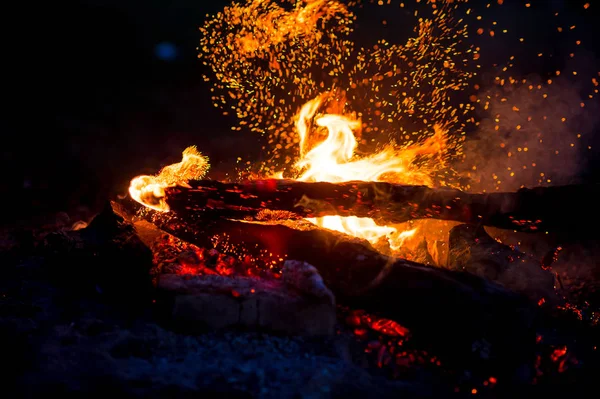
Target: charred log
473, 250
537, 209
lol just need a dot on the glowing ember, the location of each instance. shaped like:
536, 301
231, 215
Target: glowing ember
150, 190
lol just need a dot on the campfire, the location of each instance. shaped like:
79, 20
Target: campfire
386, 229
363, 219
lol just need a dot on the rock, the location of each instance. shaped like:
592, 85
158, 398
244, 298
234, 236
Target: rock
212, 302
298, 303
471, 249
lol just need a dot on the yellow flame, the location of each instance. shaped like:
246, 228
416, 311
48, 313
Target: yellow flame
267, 57
150, 190
334, 160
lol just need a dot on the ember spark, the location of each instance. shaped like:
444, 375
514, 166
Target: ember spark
269, 57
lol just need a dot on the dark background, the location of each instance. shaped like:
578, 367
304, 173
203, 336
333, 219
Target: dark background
103, 90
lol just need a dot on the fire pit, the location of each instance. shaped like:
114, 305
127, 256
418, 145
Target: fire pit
359, 257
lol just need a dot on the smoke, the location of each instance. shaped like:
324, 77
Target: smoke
534, 132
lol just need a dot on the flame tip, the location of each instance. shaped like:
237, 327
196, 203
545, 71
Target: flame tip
150, 190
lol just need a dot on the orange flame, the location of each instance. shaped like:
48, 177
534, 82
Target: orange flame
334, 160
150, 190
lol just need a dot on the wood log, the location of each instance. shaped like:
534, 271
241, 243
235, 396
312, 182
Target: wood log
472, 249
460, 316
561, 209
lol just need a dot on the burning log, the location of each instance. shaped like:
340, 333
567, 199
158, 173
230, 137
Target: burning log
454, 312
538, 209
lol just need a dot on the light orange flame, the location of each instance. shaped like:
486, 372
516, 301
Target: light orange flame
334, 160
150, 190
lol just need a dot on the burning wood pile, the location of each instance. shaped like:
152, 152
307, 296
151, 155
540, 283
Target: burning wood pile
342, 239
259, 255
337, 231
490, 310
248, 257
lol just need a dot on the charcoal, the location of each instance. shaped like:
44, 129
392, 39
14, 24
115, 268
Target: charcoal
577, 267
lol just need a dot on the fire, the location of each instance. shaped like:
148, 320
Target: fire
268, 57
334, 160
150, 190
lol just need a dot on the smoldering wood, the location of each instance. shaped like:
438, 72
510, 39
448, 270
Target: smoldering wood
562, 208
455, 312
299, 303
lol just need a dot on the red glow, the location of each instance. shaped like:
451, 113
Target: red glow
558, 353
389, 327
541, 301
